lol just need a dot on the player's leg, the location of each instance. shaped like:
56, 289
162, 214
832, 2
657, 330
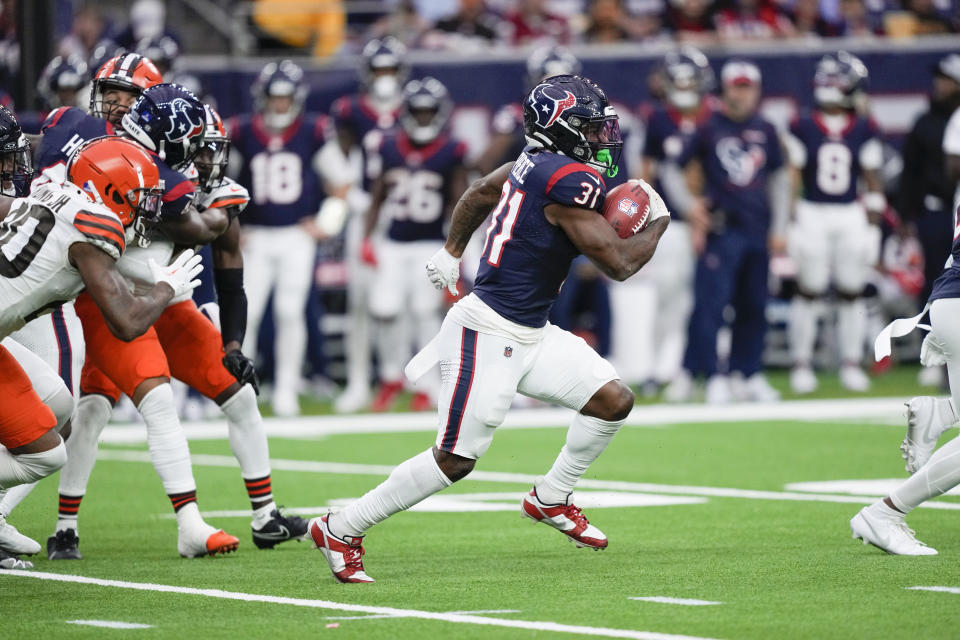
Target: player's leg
295, 278
882, 523
478, 381
809, 246
139, 369
388, 296
566, 371
673, 279
750, 323
357, 339
57, 338
425, 304
193, 348
260, 246
857, 249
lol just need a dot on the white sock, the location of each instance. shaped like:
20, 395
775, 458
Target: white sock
586, 439
393, 348
91, 416
261, 515
188, 518
939, 475
880, 508
12, 497
802, 330
851, 330
166, 440
412, 481
248, 439
64, 524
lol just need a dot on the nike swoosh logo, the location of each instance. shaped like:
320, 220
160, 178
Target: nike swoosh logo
282, 534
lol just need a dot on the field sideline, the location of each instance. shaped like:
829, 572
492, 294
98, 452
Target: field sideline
724, 523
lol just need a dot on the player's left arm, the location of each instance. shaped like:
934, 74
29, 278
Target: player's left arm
232, 299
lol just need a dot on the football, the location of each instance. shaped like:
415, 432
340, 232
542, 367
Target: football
627, 208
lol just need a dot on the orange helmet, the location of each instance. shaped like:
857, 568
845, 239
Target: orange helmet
129, 71
121, 175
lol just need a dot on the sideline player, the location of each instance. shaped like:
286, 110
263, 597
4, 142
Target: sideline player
833, 240
423, 177
497, 342
883, 523
277, 145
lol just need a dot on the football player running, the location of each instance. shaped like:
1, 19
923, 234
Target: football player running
423, 176
496, 342
833, 240
883, 523
62, 239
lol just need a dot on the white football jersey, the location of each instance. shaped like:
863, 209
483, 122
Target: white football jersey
35, 238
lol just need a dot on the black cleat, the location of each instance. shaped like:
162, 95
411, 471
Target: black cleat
279, 529
64, 546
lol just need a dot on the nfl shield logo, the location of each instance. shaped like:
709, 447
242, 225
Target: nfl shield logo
628, 207
507, 352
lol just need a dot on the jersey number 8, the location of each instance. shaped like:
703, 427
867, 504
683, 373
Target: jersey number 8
834, 161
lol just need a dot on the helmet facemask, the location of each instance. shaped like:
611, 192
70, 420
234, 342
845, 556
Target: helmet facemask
211, 162
16, 169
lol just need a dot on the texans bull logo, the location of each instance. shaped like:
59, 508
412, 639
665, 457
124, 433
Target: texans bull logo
183, 123
550, 102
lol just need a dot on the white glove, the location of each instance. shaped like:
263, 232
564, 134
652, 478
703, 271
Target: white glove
332, 215
444, 271
657, 207
932, 351
180, 274
228, 194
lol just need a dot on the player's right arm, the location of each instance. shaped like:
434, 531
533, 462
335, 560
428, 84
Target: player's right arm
474, 206
127, 316
195, 227
619, 258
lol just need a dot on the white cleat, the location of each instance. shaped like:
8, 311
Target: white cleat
927, 419
803, 380
679, 390
15, 542
352, 400
931, 376
285, 404
205, 541
718, 390
891, 534
757, 389
852, 378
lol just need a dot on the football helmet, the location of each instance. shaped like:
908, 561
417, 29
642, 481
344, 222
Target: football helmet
687, 77
840, 80
170, 121
119, 174
211, 160
60, 81
162, 51
571, 115
384, 71
425, 110
280, 79
16, 158
128, 71
548, 61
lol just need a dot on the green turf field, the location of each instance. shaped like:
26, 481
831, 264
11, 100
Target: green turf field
780, 568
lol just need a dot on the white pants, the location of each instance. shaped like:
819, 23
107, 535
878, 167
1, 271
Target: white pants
57, 339
279, 259
480, 374
46, 383
833, 243
943, 318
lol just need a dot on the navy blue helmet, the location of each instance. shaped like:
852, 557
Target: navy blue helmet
571, 115
425, 110
163, 51
687, 77
384, 70
169, 120
16, 163
548, 61
60, 81
840, 80
280, 79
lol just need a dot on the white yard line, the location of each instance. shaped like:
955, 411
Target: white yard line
110, 624
380, 617
343, 606
689, 602
528, 479
955, 590
868, 410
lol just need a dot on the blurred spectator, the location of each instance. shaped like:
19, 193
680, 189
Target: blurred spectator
472, 27
900, 279
162, 51
605, 22
404, 23
61, 81
926, 192
532, 23
855, 20
89, 30
302, 23
752, 19
919, 18
808, 22
691, 20
148, 19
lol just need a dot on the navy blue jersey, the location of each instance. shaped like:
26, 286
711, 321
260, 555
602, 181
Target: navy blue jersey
737, 159
525, 258
278, 168
668, 131
833, 158
66, 128
356, 114
418, 182
948, 284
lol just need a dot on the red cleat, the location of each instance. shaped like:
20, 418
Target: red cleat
565, 518
386, 396
420, 402
344, 555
